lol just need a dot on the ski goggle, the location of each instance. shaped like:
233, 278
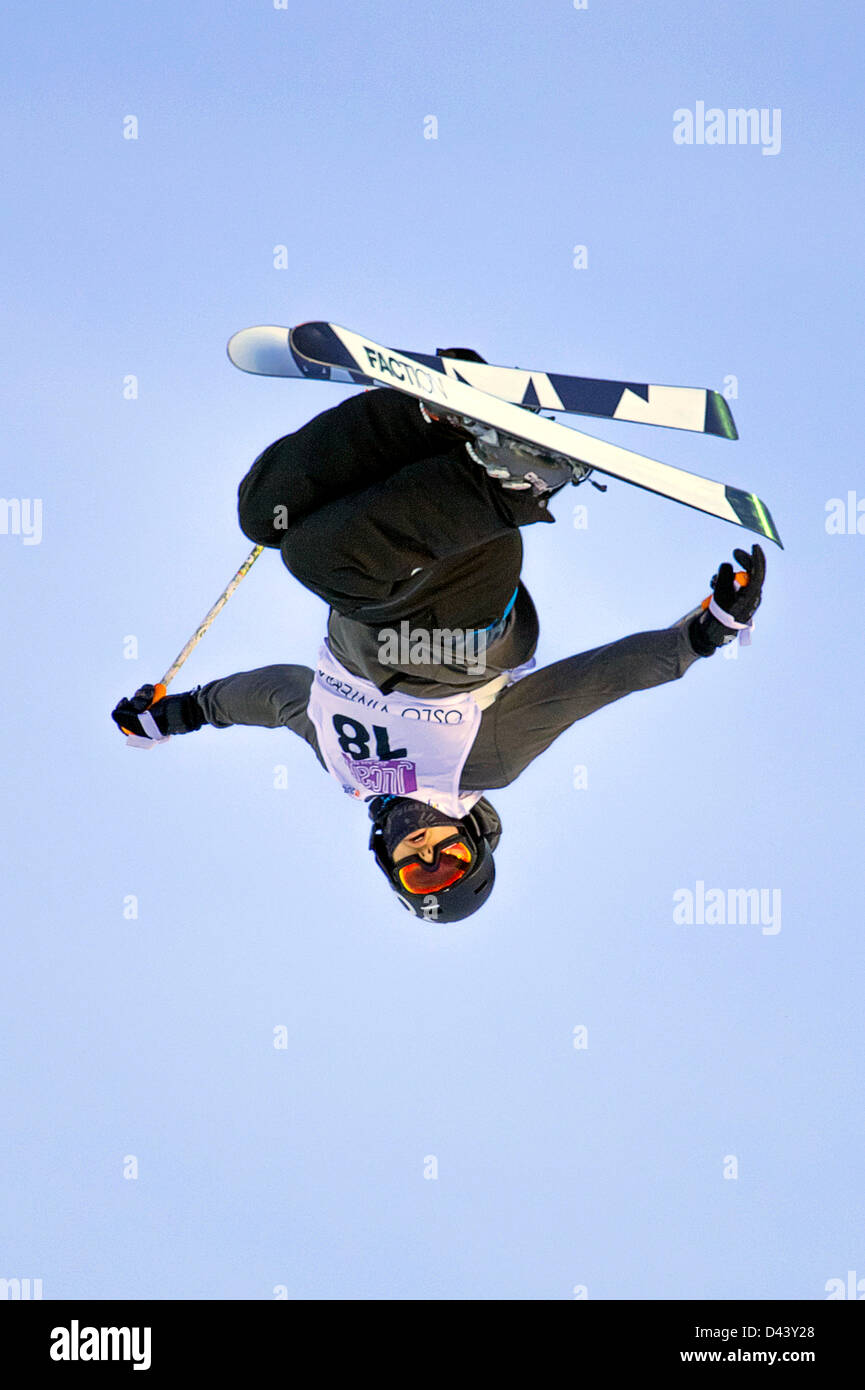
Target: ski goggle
452, 861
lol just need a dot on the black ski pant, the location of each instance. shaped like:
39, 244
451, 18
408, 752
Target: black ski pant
385, 517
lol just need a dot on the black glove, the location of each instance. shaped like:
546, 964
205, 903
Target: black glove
173, 714
706, 632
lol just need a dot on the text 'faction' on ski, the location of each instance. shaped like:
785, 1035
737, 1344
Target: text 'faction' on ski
266, 350
328, 346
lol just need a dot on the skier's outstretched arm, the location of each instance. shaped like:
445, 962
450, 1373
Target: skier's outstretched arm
269, 697
530, 715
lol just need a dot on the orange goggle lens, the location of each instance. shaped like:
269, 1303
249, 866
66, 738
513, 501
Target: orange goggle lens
452, 864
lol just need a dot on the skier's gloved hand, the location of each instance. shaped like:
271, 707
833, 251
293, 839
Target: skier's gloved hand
170, 714
730, 608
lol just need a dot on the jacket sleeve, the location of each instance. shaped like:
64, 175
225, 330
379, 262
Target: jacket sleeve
529, 715
269, 697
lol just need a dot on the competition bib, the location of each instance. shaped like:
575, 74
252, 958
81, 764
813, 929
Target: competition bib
392, 745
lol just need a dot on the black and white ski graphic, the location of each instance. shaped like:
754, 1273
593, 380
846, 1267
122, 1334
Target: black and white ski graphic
266, 351
327, 345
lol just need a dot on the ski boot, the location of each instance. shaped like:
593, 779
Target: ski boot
461, 423
519, 466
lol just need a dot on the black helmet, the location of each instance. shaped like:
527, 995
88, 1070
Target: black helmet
482, 829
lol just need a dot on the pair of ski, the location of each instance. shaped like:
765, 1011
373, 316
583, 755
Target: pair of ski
506, 399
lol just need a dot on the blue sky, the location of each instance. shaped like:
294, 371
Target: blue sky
302, 1168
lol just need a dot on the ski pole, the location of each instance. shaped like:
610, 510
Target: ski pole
161, 687
206, 621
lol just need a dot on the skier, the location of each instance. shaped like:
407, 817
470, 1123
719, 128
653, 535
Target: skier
421, 701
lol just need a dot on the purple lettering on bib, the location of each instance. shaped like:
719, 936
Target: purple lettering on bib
391, 777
